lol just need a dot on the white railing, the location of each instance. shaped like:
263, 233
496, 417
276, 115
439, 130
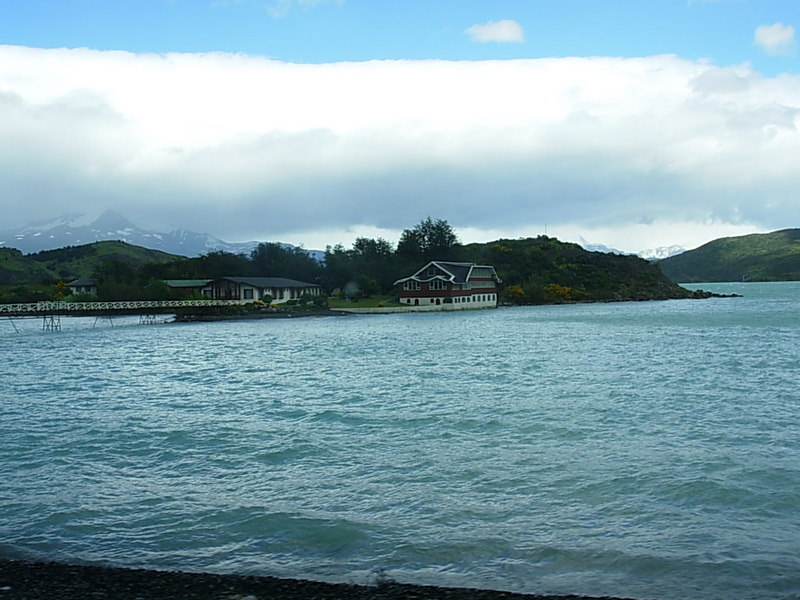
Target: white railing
41, 308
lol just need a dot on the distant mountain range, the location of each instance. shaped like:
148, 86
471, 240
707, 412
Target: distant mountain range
757, 257
76, 230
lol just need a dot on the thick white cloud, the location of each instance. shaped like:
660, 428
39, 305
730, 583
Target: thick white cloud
505, 30
617, 151
776, 39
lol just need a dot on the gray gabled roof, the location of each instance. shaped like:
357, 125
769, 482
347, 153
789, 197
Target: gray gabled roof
257, 282
187, 283
271, 282
82, 281
457, 272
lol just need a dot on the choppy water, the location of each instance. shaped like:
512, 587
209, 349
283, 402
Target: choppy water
649, 450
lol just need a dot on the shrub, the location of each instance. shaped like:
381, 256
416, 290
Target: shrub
321, 301
557, 293
306, 298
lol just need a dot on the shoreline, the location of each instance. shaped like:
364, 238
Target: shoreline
200, 318
345, 311
27, 580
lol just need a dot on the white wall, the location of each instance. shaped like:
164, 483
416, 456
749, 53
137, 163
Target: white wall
487, 300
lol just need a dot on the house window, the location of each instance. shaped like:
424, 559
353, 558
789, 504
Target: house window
438, 284
411, 285
248, 293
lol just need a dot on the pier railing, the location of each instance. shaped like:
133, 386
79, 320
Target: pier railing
76, 308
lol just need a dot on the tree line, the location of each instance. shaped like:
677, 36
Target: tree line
369, 267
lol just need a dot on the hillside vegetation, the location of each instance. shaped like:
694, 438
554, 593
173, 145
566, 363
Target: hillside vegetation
540, 270
73, 261
758, 257
544, 270
15, 267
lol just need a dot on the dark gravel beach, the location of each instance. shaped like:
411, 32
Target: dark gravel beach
22, 580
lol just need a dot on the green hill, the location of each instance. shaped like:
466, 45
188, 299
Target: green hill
15, 267
73, 261
544, 270
757, 257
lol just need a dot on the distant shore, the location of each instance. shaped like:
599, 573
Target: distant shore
23, 580
344, 311
278, 314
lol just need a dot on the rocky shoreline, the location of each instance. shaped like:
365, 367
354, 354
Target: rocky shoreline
24, 580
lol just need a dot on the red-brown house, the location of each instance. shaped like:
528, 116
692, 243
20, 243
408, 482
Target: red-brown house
451, 285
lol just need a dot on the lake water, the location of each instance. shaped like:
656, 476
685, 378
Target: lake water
647, 450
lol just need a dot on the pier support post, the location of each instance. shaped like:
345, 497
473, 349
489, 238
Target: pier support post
51, 323
98, 317
14, 325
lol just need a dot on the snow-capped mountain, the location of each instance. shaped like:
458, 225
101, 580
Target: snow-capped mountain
76, 230
599, 248
661, 252
653, 254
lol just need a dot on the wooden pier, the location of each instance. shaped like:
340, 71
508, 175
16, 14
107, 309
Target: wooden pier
52, 311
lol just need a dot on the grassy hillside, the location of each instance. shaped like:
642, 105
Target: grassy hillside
757, 257
72, 262
544, 270
18, 268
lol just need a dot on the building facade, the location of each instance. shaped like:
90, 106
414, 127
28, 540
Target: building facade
450, 285
83, 285
247, 289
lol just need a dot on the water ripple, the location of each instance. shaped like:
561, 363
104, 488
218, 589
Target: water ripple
641, 450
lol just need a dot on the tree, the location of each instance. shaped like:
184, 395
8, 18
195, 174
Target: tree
113, 271
374, 258
61, 290
274, 260
338, 268
219, 263
429, 240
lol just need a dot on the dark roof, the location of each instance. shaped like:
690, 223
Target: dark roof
187, 283
458, 272
270, 282
83, 281
259, 282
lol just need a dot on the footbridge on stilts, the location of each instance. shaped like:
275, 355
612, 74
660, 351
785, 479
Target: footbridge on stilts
51, 311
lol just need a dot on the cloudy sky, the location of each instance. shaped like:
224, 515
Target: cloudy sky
627, 123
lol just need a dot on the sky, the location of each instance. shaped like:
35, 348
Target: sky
627, 123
